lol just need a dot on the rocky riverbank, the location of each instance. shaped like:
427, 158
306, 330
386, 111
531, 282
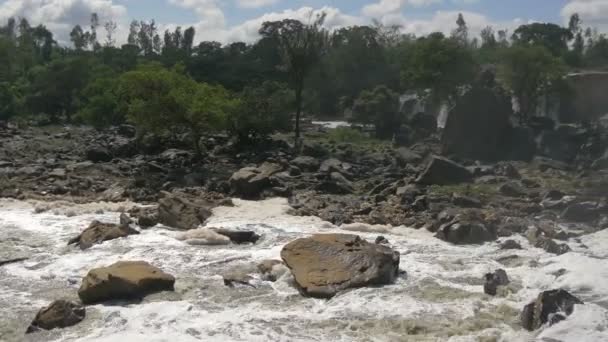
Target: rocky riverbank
524, 212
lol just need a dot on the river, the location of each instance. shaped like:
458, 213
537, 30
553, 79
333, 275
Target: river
438, 298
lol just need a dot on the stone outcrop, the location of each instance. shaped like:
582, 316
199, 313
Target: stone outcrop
442, 171
98, 232
59, 314
549, 307
325, 264
249, 182
123, 280
182, 212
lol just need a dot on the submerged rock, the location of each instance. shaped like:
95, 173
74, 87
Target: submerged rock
442, 171
466, 232
549, 307
494, 280
123, 280
98, 232
271, 270
59, 314
510, 244
204, 236
325, 264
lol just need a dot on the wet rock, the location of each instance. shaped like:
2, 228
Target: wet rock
125, 220
239, 236
325, 264
59, 314
494, 280
271, 270
306, 163
123, 280
11, 261
336, 184
550, 246
381, 240
98, 232
512, 189
182, 212
249, 182
581, 212
549, 307
115, 193
205, 237
442, 171
98, 154
237, 277
466, 232
510, 244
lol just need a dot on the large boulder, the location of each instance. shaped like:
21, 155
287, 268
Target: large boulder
249, 182
495, 280
123, 280
442, 171
325, 264
98, 232
476, 127
549, 307
98, 154
179, 211
59, 314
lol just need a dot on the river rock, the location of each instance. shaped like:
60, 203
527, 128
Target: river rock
249, 182
466, 232
59, 314
204, 237
494, 280
306, 163
123, 280
510, 244
549, 307
239, 236
442, 171
98, 232
181, 212
325, 264
271, 270
581, 212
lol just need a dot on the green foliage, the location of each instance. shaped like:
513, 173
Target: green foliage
379, 107
7, 101
262, 111
99, 107
439, 64
550, 36
529, 72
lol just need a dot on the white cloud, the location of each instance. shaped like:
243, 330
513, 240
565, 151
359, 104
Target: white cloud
592, 12
256, 3
60, 16
384, 7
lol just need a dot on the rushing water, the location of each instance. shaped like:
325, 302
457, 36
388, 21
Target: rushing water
440, 298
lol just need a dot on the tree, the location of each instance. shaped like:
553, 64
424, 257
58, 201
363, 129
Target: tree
551, 36
530, 72
461, 33
301, 47
488, 39
379, 107
99, 104
440, 65
263, 110
110, 28
79, 38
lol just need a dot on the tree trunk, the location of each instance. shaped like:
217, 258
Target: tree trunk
196, 139
299, 87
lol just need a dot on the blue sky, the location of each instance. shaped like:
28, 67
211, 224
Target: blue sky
231, 20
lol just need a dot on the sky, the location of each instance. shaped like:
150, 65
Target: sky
238, 20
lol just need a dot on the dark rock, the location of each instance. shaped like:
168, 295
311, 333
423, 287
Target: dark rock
323, 265
98, 232
98, 154
123, 280
239, 236
549, 307
581, 212
336, 184
510, 244
442, 171
381, 240
466, 232
125, 220
519, 144
424, 122
405, 156
59, 314
478, 124
551, 246
334, 165
494, 280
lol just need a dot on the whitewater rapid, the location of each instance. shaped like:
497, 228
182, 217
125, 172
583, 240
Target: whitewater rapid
439, 298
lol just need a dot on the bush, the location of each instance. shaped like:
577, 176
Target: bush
379, 107
263, 110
